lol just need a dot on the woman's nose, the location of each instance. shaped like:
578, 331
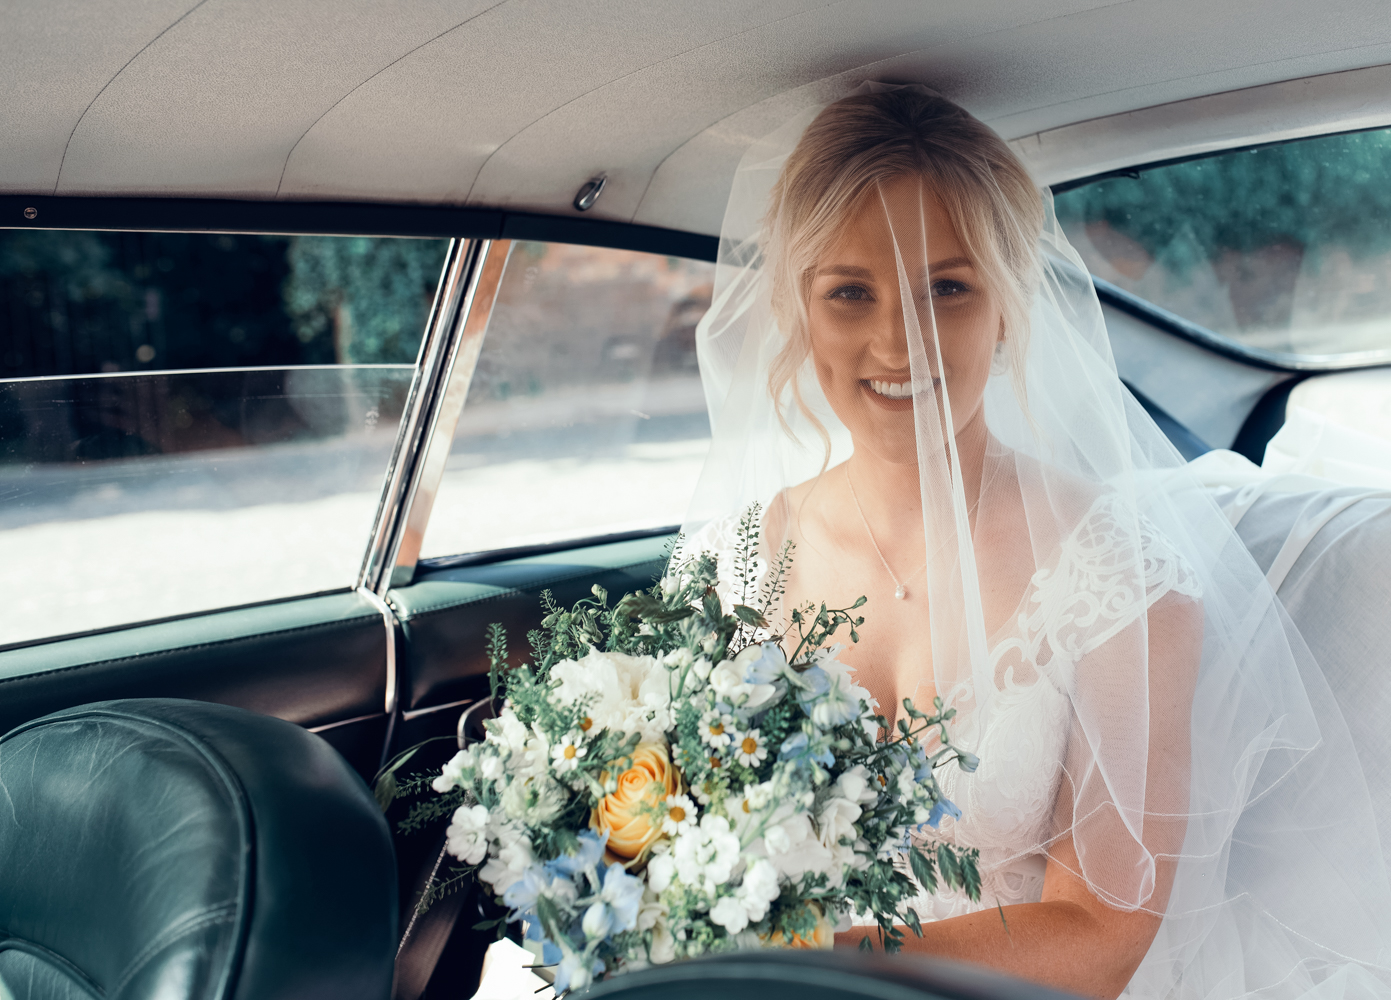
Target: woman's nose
889, 339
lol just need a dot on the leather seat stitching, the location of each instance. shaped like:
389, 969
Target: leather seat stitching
374, 622
220, 913
14, 942
231, 782
519, 592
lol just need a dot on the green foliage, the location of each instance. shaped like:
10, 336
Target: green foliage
374, 294
1322, 192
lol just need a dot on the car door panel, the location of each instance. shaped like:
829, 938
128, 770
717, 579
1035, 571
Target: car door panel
445, 614
319, 661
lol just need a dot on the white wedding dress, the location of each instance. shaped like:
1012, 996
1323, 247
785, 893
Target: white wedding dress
1019, 730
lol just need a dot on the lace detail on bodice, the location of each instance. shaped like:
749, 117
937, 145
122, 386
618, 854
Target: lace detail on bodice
1108, 572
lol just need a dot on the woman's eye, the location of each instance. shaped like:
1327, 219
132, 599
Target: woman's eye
850, 293
947, 288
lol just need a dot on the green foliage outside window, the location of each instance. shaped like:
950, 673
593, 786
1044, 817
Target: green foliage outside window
373, 295
1332, 191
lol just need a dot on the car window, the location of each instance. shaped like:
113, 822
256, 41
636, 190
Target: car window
193, 421
1284, 247
586, 414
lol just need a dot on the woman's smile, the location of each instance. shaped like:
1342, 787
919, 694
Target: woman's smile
892, 393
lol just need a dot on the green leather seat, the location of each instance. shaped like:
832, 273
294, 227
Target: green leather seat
178, 849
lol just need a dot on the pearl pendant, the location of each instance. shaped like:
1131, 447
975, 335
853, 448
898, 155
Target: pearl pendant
901, 592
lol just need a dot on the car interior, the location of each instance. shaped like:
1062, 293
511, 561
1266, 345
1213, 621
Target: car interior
331, 336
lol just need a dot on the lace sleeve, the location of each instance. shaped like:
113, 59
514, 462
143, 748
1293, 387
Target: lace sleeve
1112, 569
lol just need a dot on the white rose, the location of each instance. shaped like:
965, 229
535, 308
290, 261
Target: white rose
730, 914
466, 837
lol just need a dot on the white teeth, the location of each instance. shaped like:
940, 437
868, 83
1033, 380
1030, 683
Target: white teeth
892, 390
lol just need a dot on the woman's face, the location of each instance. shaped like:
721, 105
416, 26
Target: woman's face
859, 322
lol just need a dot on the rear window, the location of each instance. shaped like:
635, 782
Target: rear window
1285, 248
586, 414
193, 421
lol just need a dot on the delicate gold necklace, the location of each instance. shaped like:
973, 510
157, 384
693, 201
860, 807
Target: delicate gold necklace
900, 591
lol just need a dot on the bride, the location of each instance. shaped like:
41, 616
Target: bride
907, 367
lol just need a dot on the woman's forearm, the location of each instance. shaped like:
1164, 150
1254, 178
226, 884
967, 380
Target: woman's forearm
1058, 943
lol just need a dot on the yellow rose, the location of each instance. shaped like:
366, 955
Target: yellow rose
630, 814
823, 935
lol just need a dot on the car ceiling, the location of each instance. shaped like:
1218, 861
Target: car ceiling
515, 103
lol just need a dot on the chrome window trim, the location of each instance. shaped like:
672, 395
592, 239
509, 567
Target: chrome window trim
448, 355
467, 346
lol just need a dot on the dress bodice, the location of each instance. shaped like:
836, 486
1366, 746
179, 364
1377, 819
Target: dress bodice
1020, 725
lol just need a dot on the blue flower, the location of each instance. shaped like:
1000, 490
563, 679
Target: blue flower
591, 850
623, 894
550, 951
571, 973
798, 748
522, 894
812, 682
968, 762
767, 666
942, 807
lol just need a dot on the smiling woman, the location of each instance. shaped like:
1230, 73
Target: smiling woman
909, 370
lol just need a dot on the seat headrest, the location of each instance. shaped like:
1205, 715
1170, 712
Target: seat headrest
184, 849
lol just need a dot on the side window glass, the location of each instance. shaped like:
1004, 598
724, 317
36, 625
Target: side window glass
586, 414
1285, 248
193, 421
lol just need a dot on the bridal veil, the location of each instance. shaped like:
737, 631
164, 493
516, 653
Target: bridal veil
1201, 769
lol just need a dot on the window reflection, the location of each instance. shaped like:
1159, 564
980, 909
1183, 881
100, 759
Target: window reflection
586, 414
1286, 247
195, 421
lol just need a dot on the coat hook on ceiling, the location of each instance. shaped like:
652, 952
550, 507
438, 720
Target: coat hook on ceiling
589, 193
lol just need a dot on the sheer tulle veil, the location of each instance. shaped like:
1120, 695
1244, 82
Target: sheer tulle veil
1076, 585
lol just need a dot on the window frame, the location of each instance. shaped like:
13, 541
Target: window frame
443, 369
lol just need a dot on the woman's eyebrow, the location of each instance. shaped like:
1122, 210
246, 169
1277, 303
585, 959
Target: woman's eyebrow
846, 271
949, 264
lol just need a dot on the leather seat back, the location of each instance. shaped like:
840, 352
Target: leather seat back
178, 849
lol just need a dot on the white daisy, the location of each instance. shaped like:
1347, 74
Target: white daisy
716, 729
751, 749
566, 754
680, 815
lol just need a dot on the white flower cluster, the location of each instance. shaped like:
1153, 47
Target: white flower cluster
688, 796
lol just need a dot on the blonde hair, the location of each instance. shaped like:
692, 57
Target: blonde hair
869, 139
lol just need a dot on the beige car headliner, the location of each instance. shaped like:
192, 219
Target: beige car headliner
515, 103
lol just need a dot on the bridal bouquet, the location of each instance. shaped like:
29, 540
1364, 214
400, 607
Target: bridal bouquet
665, 779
